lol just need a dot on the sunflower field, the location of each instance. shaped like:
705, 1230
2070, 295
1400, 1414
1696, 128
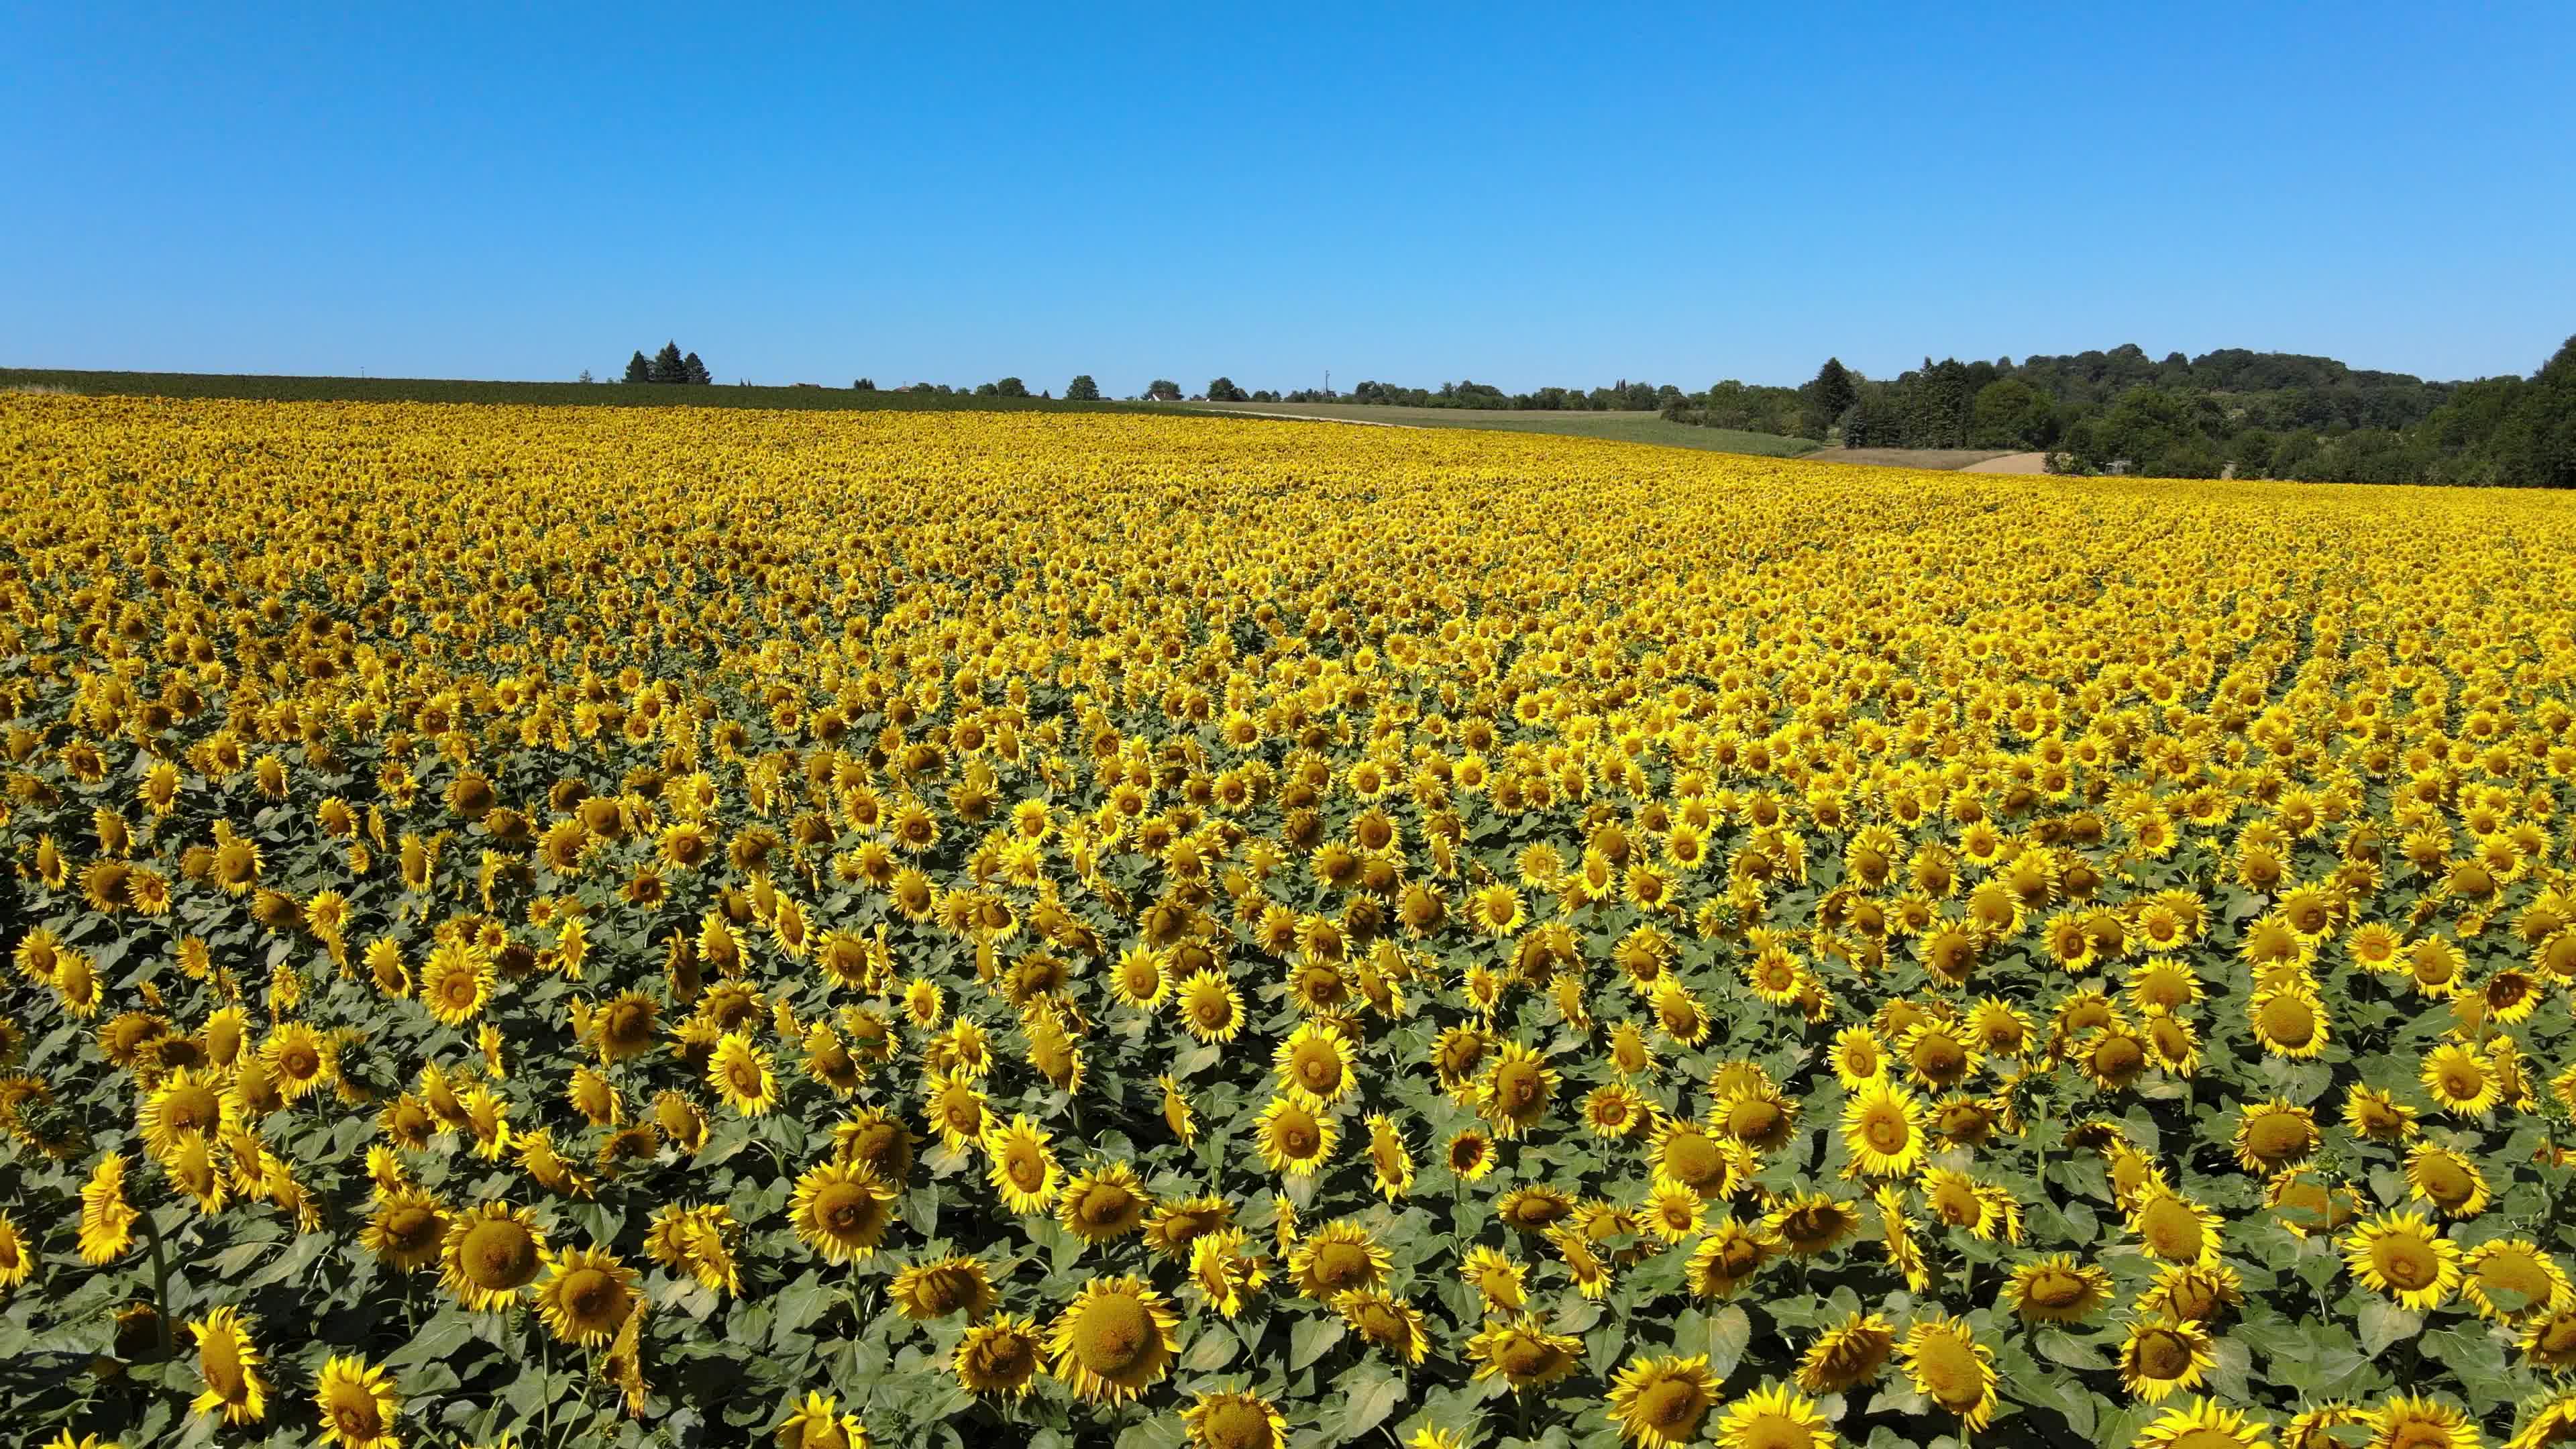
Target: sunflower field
570, 926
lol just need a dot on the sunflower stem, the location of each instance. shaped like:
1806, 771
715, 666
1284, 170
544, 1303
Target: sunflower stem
160, 1281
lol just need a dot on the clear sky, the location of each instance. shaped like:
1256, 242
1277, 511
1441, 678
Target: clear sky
1555, 194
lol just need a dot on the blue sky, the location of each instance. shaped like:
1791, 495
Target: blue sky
1518, 195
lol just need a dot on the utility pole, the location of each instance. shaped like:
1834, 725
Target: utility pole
1328, 384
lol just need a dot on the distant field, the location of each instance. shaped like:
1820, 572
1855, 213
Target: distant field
448, 390
1943, 458
1625, 427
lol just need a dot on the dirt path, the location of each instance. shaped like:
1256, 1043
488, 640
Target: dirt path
2011, 463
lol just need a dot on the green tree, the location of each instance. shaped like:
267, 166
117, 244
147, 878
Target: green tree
1163, 389
1223, 390
638, 370
2010, 413
1011, 387
692, 370
1830, 395
865, 384
668, 365
1082, 389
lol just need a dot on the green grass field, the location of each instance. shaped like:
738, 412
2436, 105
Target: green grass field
445, 390
1625, 427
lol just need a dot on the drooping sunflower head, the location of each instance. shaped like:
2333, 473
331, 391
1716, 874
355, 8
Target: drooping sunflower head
1952, 1368
948, 1285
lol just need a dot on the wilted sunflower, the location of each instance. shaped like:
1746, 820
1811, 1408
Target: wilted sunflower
1114, 1341
841, 1210
1661, 1402
228, 1365
1809, 1224
357, 1404
1385, 1322
492, 1252
1852, 1352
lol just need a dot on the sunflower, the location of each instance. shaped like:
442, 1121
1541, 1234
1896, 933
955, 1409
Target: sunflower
1226, 1273
957, 1111
2550, 1340
818, 1423
998, 1358
1385, 1322
1024, 1169
1469, 1155
1337, 1258
1314, 1064
2163, 1356
1211, 1009
1114, 1341
943, 1286
1104, 1203
2172, 1228
297, 1059
185, 1102
1616, 1111
1690, 1153
1775, 1417
2447, 1180
2460, 1081
2057, 1289
406, 1229
16, 1263
1294, 1138
1883, 1129
2406, 1258
1857, 1056
456, 981
1177, 1225
2513, 1279
1231, 1419
228, 1366
1660, 1402
2202, 1424
357, 1404
491, 1253
2274, 1135
1847, 1355
586, 1296
1516, 1090
1390, 1161
1810, 1224
740, 1073
2411, 1421
1726, 1259
1952, 1368
106, 1221
841, 1210
1524, 1353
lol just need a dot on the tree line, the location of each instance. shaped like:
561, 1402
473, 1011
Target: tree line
666, 365
2229, 412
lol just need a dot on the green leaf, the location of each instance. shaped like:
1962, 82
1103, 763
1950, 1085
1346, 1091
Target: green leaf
1370, 1393
2058, 1346
1730, 1332
2384, 1323
1311, 1339
1211, 1348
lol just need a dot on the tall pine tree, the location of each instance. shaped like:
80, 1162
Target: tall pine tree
638, 370
693, 370
668, 366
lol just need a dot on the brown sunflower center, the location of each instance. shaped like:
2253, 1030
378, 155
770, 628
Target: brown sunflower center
1112, 1334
